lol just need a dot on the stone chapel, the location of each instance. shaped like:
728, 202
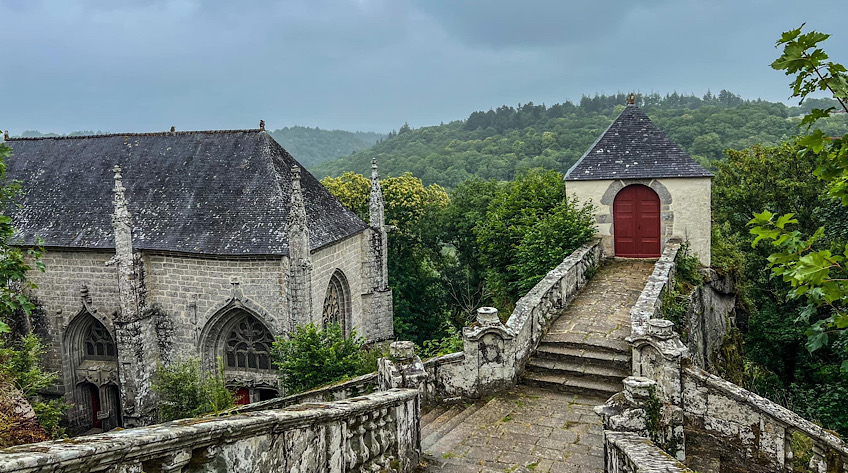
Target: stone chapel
204, 244
646, 190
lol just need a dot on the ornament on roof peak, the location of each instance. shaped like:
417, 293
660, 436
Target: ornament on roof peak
631, 100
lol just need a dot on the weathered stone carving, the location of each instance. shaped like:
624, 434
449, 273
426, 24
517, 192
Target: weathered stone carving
299, 288
378, 432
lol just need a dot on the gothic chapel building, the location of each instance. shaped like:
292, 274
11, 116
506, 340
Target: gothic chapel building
204, 244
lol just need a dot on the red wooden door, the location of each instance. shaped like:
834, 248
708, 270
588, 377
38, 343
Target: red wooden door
636, 222
95, 405
242, 396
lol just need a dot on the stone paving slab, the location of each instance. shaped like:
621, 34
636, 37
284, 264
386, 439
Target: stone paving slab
526, 429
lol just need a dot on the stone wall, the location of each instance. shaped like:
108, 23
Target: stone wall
685, 207
192, 290
494, 353
377, 432
709, 318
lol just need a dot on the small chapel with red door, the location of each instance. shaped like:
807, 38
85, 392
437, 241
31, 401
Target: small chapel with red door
646, 190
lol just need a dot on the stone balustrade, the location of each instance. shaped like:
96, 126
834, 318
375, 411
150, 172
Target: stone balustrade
649, 304
711, 423
494, 353
377, 432
629, 453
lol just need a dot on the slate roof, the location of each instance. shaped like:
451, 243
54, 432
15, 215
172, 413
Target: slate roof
204, 192
634, 148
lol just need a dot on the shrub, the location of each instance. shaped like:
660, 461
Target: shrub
186, 390
312, 357
452, 343
20, 364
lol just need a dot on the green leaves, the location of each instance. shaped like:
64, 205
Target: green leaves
313, 357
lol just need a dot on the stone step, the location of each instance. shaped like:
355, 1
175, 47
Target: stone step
488, 413
582, 342
441, 420
577, 368
583, 385
435, 435
554, 351
432, 413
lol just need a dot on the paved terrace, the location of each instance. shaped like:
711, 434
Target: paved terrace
549, 426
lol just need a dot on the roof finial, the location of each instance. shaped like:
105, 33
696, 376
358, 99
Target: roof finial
631, 100
173, 129
374, 174
6, 135
261, 125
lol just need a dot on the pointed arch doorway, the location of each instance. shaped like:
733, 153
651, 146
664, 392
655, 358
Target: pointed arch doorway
636, 222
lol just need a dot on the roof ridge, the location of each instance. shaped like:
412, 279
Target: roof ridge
153, 133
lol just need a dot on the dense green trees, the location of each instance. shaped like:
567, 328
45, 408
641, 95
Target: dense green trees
488, 244
186, 390
499, 143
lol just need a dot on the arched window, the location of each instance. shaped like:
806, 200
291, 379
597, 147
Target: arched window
98, 343
248, 345
337, 302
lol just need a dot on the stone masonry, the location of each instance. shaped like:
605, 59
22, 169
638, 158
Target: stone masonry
160, 260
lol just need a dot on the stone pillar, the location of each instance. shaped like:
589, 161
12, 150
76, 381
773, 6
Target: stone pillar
404, 369
136, 352
487, 345
378, 295
299, 280
658, 356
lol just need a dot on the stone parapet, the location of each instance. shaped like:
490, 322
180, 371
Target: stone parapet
649, 304
630, 453
378, 432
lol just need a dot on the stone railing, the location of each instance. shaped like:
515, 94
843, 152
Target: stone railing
711, 423
629, 453
377, 432
649, 304
494, 353
759, 429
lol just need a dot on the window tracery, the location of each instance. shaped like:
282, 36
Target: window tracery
98, 343
248, 345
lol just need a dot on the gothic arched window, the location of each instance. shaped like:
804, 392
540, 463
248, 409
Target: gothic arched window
98, 343
337, 302
249, 345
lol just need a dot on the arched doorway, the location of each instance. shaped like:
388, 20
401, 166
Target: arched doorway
337, 303
636, 222
93, 356
242, 343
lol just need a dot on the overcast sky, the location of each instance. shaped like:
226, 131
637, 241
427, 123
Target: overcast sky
133, 65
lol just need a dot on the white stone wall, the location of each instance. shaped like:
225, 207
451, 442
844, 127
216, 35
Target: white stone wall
685, 205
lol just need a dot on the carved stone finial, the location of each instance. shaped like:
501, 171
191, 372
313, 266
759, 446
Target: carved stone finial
6, 135
173, 129
631, 100
261, 125
488, 316
295, 175
374, 174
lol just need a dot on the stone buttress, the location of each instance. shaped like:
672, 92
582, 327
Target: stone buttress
377, 300
135, 335
299, 277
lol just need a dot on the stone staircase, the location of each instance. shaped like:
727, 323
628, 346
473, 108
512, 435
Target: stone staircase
585, 366
547, 423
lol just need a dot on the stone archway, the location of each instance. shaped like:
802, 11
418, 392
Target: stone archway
239, 343
605, 212
636, 222
92, 376
337, 303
